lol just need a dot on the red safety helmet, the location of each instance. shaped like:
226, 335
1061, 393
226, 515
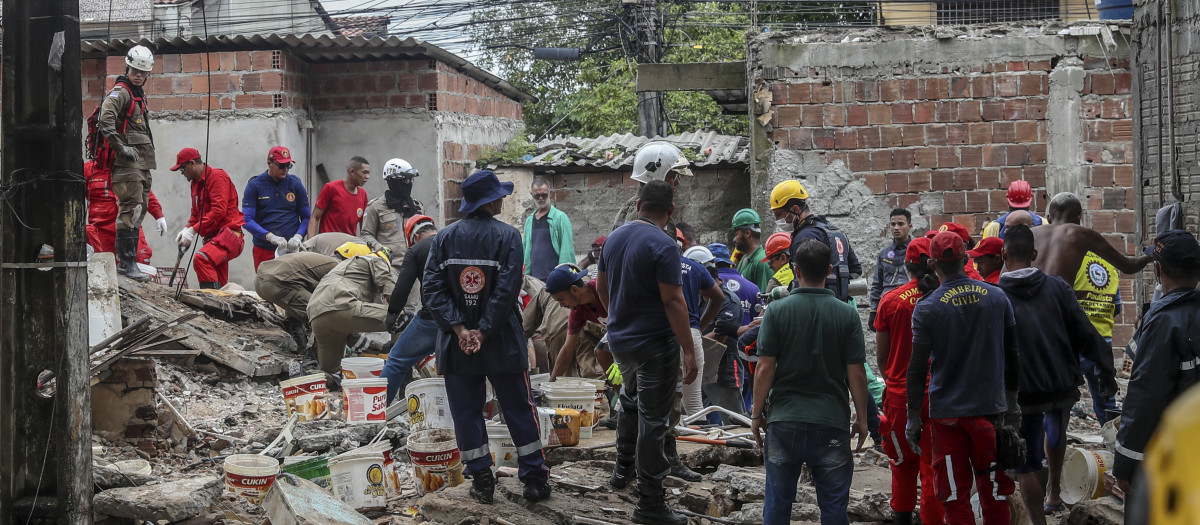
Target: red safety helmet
410, 227
776, 243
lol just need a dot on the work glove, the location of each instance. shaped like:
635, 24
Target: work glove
131, 153
1108, 386
276, 240
397, 322
871, 321
185, 237
293, 244
161, 224
913, 433
614, 374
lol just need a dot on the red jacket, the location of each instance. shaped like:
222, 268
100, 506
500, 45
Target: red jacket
214, 196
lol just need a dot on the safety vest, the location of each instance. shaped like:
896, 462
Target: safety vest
1096, 285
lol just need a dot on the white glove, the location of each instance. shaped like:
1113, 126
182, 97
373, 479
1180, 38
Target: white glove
276, 240
131, 153
293, 244
185, 237
161, 224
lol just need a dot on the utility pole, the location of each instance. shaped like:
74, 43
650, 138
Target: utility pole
650, 118
45, 435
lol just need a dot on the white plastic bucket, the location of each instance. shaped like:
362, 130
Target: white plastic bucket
599, 387
250, 476
357, 478
435, 459
560, 426
134, 466
366, 400
428, 406
426, 368
305, 396
389, 465
361, 367
575, 396
500, 443
536, 381
1083, 474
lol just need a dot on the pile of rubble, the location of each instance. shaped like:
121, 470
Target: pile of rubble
190, 382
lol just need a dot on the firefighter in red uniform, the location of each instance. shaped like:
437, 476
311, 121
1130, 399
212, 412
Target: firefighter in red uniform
102, 214
215, 216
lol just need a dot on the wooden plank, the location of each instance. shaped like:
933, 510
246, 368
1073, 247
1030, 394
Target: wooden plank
695, 76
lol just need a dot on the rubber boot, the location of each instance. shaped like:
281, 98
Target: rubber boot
652, 507
903, 518
622, 475
209, 286
678, 469
127, 243
483, 486
536, 490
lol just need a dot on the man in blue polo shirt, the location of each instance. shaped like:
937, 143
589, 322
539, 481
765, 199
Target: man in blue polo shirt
275, 207
732, 280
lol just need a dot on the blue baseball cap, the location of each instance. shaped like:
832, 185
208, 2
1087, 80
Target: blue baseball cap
1174, 247
721, 253
481, 188
562, 277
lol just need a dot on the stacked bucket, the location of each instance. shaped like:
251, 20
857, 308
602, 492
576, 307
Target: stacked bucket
431, 443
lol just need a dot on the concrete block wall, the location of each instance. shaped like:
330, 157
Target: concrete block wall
941, 126
591, 199
123, 403
1166, 107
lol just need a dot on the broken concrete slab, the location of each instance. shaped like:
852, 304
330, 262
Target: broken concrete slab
298, 501
171, 501
322, 435
240, 346
753, 513
108, 477
1103, 511
104, 305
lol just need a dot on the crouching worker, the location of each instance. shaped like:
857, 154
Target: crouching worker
348, 300
471, 286
215, 216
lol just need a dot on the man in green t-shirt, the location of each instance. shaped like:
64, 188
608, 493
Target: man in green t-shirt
810, 348
748, 250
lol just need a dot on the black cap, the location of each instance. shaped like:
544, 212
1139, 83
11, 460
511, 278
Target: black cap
1175, 247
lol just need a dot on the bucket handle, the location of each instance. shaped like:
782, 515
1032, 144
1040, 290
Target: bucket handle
379, 436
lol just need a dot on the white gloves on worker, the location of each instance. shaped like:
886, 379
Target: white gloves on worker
293, 244
161, 224
185, 237
131, 153
276, 240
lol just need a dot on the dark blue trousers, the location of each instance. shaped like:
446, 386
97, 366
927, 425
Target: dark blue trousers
466, 396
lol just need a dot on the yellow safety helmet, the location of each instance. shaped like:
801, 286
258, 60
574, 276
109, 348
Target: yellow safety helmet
385, 254
1172, 481
350, 249
786, 191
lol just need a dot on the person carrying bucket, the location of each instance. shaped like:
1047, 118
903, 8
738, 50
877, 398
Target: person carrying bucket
471, 285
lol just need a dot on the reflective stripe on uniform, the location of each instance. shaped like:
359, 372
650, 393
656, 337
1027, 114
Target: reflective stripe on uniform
476, 453
1188, 365
996, 496
1131, 454
950, 479
530, 448
468, 262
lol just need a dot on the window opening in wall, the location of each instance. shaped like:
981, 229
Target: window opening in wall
976, 12
432, 104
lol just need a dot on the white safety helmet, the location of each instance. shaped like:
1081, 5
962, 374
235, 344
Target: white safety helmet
656, 159
699, 254
399, 169
140, 58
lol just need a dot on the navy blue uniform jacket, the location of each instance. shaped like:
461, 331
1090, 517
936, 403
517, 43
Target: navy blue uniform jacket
473, 277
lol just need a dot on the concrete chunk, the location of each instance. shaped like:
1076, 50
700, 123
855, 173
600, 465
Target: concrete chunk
302, 502
172, 501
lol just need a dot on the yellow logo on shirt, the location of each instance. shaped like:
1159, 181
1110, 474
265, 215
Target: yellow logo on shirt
291, 197
964, 295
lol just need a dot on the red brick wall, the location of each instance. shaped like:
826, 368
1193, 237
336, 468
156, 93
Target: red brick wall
964, 135
398, 84
236, 80
458, 161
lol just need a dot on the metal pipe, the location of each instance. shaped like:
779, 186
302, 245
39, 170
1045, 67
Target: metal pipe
1176, 182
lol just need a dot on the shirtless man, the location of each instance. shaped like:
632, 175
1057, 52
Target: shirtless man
1019, 217
1061, 245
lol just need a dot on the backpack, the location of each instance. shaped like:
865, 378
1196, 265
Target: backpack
839, 248
97, 148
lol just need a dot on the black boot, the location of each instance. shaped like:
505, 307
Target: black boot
652, 508
209, 286
903, 518
678, 469
621, 475
536, 490
127, 243
483, 486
